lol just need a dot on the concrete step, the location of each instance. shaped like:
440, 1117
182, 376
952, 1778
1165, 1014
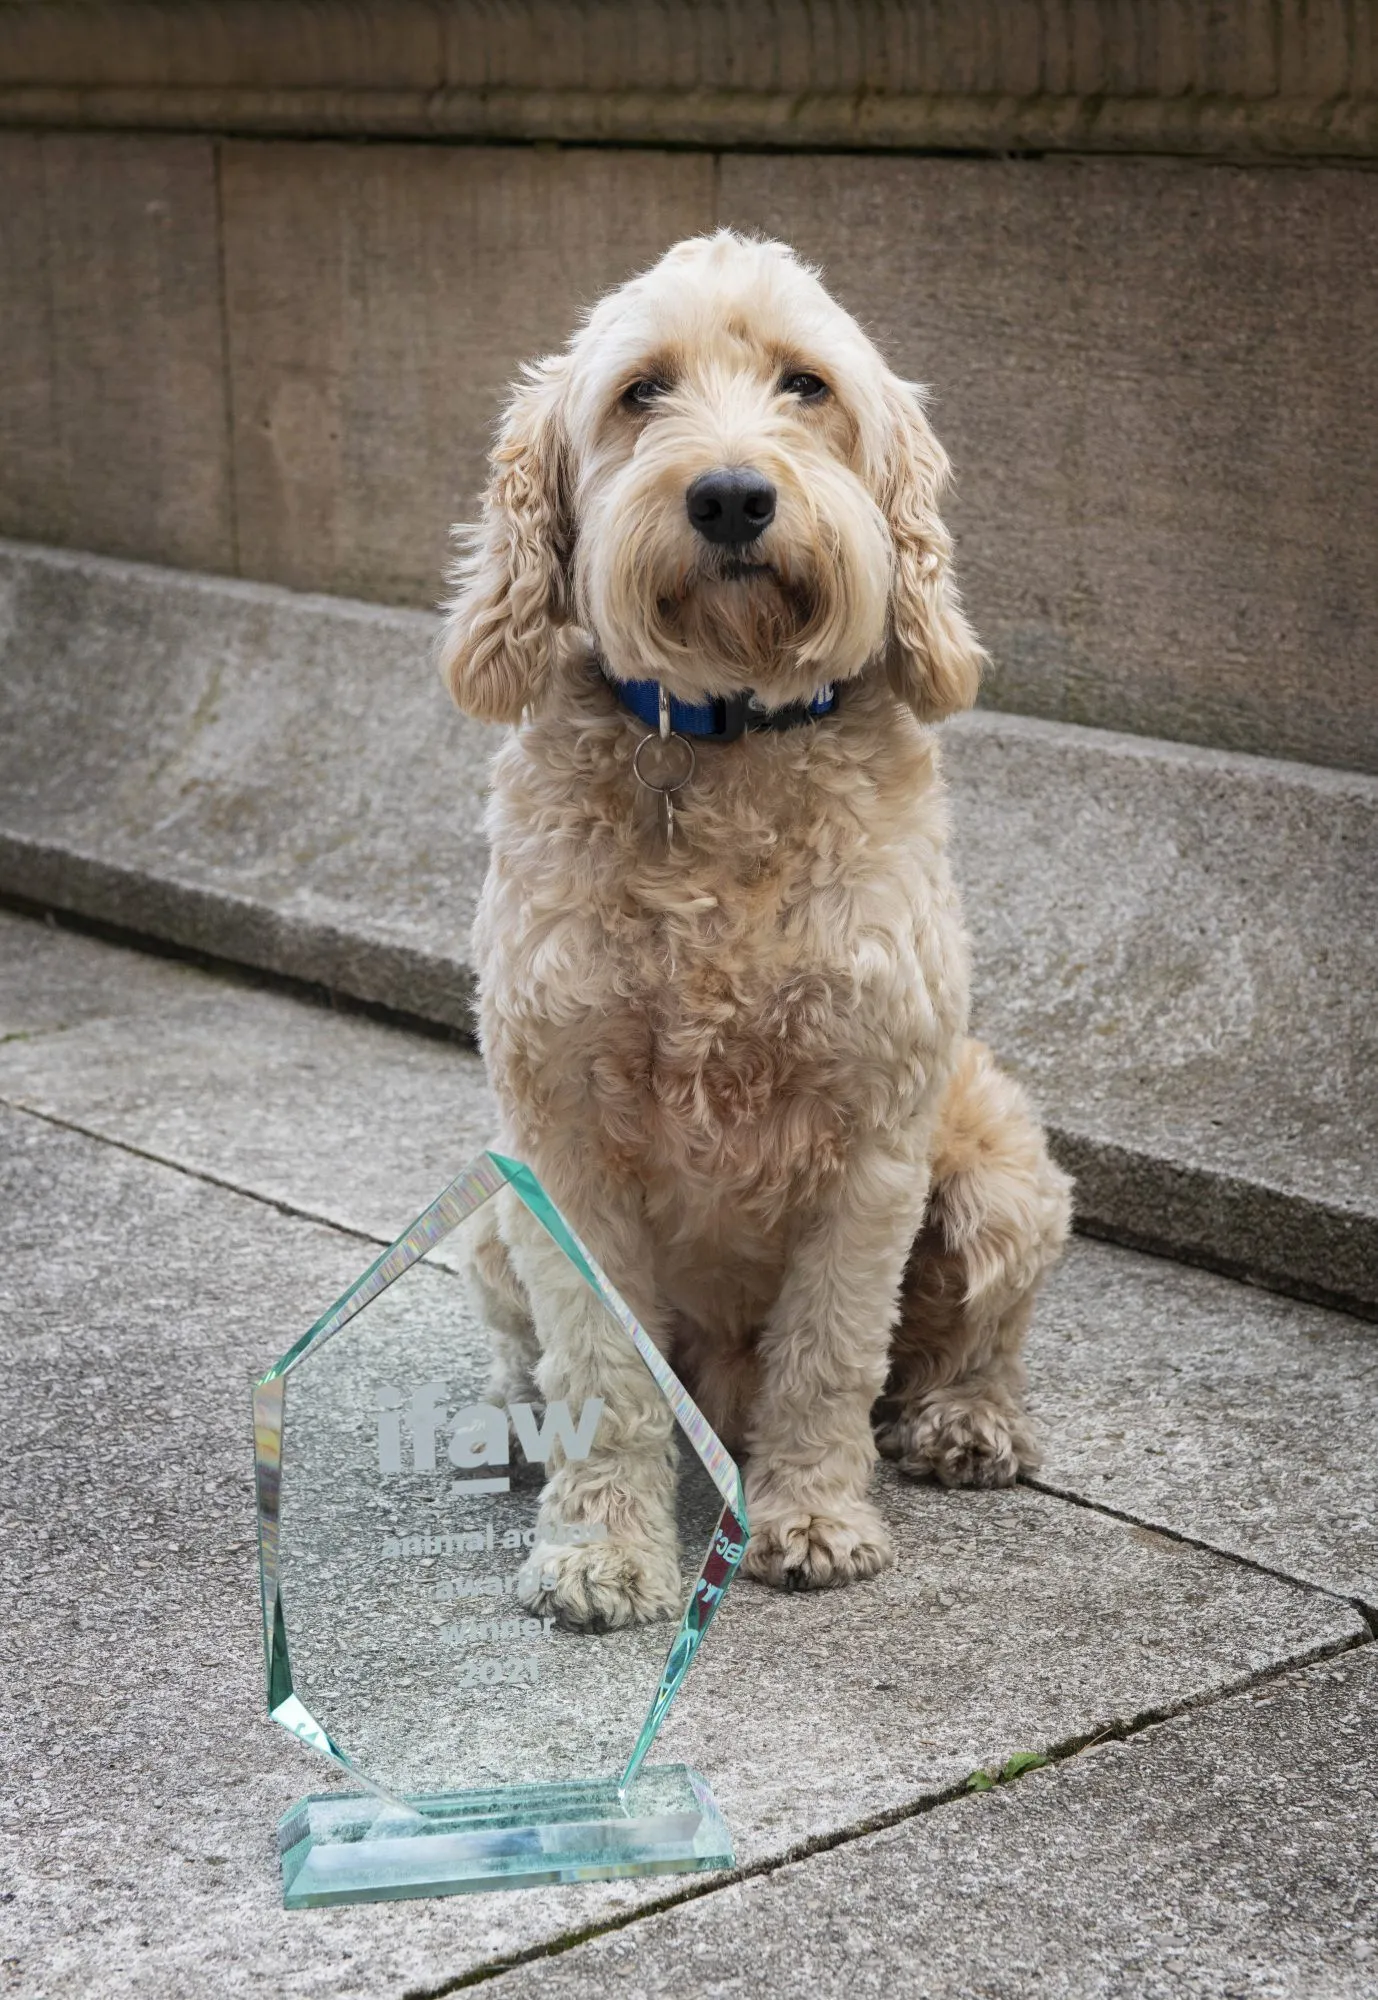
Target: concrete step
1175, 946
191, 1166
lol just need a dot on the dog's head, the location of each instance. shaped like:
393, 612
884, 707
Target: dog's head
723, 483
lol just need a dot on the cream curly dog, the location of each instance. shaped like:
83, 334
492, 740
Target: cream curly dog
737, 1055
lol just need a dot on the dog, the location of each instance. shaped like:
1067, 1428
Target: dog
729, 1033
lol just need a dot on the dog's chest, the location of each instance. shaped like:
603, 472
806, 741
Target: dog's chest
725, 1022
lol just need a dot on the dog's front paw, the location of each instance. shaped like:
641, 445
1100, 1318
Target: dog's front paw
795, 1549
599, 1586
960, 1442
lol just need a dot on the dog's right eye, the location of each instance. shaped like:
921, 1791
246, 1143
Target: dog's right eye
645, 392
807, 387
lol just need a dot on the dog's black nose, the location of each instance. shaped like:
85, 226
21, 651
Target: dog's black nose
731, 506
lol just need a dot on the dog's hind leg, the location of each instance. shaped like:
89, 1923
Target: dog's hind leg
997, 1217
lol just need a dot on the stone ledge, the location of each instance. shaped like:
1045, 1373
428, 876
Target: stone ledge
359, 961
264, 776
1172, 945
1089, 77
1237, 129
1313, 1248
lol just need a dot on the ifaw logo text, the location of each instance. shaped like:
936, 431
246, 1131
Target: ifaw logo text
477, 1435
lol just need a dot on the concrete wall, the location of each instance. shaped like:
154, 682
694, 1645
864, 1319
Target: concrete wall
281, 357
1152, 378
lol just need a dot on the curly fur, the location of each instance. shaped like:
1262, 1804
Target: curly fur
741, 1066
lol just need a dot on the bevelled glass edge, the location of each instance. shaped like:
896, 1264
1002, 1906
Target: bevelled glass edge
725, 1552
514, 1837
463, 1197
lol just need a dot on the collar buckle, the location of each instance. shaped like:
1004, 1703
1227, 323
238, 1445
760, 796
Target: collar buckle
730, 712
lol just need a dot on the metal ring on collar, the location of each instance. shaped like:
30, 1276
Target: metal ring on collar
663, 743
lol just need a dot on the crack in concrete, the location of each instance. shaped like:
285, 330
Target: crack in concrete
1366, 1611
280, 1207
1058, 1753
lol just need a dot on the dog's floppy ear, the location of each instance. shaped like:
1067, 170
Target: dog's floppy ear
511, 584
933, 660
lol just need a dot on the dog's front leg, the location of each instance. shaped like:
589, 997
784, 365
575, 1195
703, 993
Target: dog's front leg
823, 1357
607, 1552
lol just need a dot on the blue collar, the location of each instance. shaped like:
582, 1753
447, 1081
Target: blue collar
721, 718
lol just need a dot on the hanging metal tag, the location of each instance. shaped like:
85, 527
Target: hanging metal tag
664, 764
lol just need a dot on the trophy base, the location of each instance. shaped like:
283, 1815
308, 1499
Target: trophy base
351, 1848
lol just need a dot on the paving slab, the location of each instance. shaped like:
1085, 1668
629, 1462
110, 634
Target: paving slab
144, 1781
1187, 1400
326, 1112
51, 978
1214, 1410
1226, 1853
1173, 945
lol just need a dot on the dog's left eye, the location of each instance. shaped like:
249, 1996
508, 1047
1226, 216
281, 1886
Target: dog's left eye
648, 390
808, 388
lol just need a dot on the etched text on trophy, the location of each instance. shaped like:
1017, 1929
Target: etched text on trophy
479, 1541
476, 1437
524, 1671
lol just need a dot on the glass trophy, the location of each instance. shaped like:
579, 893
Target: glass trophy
489, 1743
